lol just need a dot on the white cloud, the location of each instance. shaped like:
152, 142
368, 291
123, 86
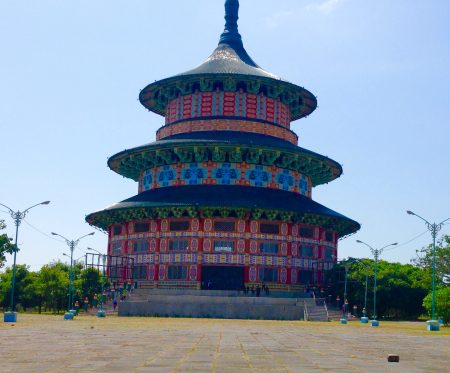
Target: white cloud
326, 7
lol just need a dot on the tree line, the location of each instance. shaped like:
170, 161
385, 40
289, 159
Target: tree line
47, 289
403, 290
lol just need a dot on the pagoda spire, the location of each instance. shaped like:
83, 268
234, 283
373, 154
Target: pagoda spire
231, 34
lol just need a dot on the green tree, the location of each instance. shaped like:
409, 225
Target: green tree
32, 295
442, 303
6, 245
424, 260
53, 286
87, 284
400, 288
24, 278
48, 288
90, 282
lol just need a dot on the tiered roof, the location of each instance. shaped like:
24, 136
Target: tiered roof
228, 69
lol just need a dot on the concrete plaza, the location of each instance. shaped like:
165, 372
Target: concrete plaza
131, 344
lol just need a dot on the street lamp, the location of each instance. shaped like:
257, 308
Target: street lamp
376, 253
72, 244
364, 318
101, 312
345, 308
18, 216
432, 325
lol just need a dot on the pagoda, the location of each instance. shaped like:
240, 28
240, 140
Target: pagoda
224, 193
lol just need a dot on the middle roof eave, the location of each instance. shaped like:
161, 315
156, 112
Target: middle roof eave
225, 138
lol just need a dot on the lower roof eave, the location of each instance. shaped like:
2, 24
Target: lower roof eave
224, 200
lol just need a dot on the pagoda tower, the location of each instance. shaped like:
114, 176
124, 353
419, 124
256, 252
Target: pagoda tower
225, 194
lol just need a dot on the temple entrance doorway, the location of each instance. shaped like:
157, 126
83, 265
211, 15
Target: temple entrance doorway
222, 278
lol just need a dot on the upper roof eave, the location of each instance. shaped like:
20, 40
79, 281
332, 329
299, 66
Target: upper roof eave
156, 95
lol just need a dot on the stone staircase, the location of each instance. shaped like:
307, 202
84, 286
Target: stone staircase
316, 310
229, 304
334, 313
107, 307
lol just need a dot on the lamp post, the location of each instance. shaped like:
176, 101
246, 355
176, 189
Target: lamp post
76, 308
376, 253
72, 244
101, 312
18, 216
346, 267
433, 324
345, 308
364, 318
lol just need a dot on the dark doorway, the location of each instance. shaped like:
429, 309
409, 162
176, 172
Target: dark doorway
222, 278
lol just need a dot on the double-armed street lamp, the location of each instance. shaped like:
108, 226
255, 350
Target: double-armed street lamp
433, 324
376, 253
18, 216
72, 244
101, 312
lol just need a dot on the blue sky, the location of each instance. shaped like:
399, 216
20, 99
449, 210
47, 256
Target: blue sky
71, 72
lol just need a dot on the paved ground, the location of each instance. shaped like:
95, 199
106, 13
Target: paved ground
50, 344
